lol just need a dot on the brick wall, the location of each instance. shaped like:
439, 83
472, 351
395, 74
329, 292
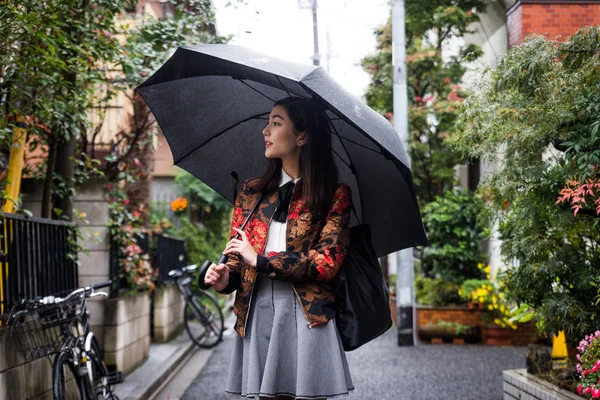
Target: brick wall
555, 20
514, 26
525, 334
522, 336
460, 315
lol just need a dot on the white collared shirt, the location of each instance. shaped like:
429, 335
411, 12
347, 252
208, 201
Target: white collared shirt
277, 230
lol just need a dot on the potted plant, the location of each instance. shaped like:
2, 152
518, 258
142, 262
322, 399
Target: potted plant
498, 323
449, 331
473, 292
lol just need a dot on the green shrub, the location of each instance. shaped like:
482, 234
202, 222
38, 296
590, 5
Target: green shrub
436, 292
454, 237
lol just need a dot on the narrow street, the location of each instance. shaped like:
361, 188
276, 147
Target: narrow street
382, 370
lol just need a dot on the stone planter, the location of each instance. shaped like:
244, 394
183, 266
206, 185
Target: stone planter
518, 384
431, 315
167, 311
437, 334
126, 331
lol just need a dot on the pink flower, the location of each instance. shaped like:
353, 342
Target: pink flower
595, 368
579, 390
596, 393
587, 390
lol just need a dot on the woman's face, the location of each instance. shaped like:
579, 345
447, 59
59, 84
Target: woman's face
280, 139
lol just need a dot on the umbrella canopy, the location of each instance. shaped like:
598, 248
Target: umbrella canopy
213, 101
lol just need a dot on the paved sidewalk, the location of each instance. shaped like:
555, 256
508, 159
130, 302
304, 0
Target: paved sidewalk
163, 360
382, 370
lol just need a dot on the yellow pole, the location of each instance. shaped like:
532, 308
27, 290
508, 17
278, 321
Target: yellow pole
15, 165
559, 350
13, 187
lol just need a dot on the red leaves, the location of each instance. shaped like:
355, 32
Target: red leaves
581, 195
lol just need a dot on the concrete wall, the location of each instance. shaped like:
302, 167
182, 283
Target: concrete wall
518, 384
167, 310
94, 266
126, 331
20, 380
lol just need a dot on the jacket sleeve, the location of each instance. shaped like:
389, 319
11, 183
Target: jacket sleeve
323, 261
234, 261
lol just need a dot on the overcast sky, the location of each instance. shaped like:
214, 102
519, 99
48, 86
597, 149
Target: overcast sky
283, 29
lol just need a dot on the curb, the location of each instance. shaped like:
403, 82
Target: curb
144, 389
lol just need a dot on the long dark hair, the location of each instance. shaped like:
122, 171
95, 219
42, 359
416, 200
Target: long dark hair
317, 168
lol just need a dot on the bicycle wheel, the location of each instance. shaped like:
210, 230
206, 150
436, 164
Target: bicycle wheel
203, 320
97, 383
65, 380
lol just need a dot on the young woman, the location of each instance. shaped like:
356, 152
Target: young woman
288, 345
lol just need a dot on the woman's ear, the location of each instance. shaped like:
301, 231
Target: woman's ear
301, 139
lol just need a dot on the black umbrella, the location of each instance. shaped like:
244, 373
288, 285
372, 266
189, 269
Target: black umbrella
213, 101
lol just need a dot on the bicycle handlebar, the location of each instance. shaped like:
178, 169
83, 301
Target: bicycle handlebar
102, 285
87, 290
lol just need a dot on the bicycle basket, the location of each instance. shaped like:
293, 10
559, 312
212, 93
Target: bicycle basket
40, 330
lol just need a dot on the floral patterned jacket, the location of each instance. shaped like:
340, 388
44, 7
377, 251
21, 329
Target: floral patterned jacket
315, 252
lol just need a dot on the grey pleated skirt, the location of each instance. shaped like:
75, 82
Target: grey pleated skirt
281, 355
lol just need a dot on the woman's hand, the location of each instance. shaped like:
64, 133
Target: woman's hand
243, 248
217, 276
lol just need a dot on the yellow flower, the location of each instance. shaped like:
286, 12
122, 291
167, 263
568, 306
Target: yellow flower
490, 307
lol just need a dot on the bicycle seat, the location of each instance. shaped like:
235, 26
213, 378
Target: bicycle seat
190, 268
175, 273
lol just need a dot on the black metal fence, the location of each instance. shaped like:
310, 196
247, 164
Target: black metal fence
34, 259
170, 254
166, 253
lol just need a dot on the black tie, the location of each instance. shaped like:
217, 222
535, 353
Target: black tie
284, 196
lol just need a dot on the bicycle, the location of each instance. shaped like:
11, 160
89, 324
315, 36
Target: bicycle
202, 316
52, 325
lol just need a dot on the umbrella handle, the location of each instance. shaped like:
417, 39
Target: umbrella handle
223, 258
204, 269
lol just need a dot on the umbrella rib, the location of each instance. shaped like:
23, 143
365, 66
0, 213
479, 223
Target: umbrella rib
347, 120
352, 169
256, 90
358, 144
219, 134
284, 88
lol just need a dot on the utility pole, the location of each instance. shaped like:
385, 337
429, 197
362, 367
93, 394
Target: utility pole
316, 56
404, 259
304, 4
